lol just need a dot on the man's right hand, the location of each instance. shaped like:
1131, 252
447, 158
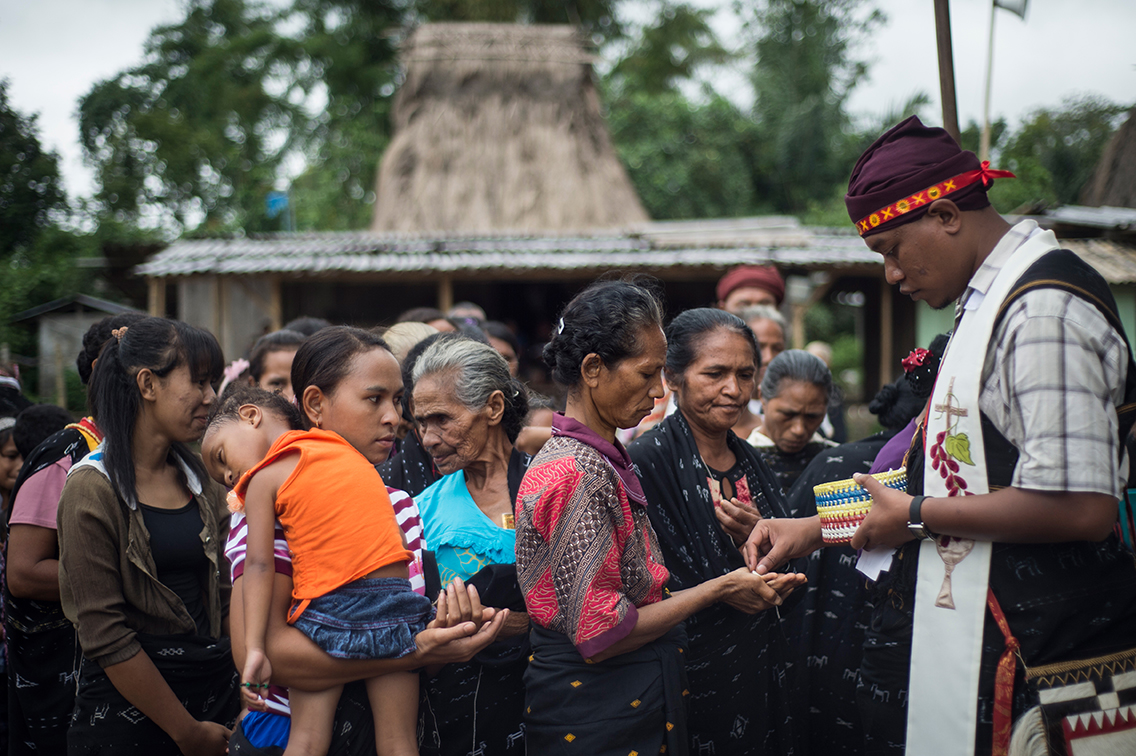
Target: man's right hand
775, 541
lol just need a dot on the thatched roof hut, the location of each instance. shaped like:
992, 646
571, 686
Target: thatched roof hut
499, 127
1113, 182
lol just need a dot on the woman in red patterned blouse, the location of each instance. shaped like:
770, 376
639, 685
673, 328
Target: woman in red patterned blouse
606, 675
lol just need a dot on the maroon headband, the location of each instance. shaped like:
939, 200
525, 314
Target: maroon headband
897, 174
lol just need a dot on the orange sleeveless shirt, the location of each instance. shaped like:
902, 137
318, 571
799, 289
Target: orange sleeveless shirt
337, 516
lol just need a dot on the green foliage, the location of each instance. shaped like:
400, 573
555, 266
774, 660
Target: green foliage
686, 160
31, 189
671, 50
36, 257
805, 71
199, 129
351, 55
1055, 151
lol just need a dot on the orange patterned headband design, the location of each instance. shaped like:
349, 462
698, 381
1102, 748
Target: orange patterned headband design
984, 174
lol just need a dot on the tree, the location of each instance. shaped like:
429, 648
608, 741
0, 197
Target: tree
670, 51
36, 257
350, 48
1054, 152
32, 189
687, 160
805, 71
197, 133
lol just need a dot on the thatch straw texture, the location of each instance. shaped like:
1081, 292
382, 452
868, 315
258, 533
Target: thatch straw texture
1113, 183
499, 127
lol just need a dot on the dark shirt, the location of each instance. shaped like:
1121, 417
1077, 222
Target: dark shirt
179, 555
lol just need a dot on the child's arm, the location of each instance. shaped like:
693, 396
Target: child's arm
260, 570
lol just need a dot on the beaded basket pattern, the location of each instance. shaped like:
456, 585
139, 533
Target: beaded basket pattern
843, 504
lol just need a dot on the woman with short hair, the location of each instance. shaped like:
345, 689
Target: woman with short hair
606, 675
795, 394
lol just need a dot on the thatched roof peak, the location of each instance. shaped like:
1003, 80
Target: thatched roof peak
497, 42
499, 126
1113, 182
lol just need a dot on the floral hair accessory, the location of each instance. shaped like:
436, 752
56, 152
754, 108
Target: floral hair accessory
916, 359
118, 333
234, 369
920, 370
232, 372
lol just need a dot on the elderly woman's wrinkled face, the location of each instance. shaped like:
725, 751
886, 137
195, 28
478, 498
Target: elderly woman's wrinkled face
717, 384
793, 416
452, 434
626, 391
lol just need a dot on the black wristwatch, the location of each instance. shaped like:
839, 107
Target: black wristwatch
915, 519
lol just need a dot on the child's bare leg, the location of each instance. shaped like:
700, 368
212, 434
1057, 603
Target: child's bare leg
394, 704
313, 715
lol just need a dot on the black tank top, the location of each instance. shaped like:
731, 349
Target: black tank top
179, 555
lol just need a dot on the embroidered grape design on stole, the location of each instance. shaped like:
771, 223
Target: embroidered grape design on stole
951, 448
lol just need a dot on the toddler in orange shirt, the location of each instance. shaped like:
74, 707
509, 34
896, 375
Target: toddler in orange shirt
351, 594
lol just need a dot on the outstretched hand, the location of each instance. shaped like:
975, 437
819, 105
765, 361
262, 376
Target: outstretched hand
775, 541
886, 522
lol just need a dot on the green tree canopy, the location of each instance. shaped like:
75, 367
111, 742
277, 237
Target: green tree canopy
1054, 152
805, 71
201, 127
30, 186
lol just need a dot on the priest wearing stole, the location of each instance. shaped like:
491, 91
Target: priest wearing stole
1009, 586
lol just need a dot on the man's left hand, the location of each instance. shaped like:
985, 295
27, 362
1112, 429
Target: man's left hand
886, 523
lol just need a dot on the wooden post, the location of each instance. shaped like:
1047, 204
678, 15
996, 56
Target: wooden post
445, 293
218, 310
946, 68
984, 145
275, 303
887, 331
60, 378
156, 299
797, 326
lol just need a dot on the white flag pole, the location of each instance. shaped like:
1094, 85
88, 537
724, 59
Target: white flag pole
984, 147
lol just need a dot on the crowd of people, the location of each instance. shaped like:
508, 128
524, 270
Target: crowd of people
382, 541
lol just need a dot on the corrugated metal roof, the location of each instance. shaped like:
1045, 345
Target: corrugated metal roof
655, 246
1116, 261
1120, 218
678, 245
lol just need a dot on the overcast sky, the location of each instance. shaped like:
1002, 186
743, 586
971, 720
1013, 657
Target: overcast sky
52, 51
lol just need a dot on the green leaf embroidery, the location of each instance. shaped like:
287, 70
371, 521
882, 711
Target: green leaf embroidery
958, 446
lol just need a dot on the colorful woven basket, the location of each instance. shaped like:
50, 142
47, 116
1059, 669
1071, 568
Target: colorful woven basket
843, 504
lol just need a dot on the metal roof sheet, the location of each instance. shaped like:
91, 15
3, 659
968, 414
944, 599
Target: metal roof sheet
667, 246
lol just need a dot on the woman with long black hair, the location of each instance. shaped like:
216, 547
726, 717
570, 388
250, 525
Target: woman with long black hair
141, 530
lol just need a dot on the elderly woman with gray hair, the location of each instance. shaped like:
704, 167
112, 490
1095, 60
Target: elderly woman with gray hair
795, 394
469, 411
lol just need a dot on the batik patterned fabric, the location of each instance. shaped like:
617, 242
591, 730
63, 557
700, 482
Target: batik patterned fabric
787, 467
737, 664
633, 703
834, 605
105, 723
586, 555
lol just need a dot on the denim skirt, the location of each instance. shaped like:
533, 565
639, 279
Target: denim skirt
375, 618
